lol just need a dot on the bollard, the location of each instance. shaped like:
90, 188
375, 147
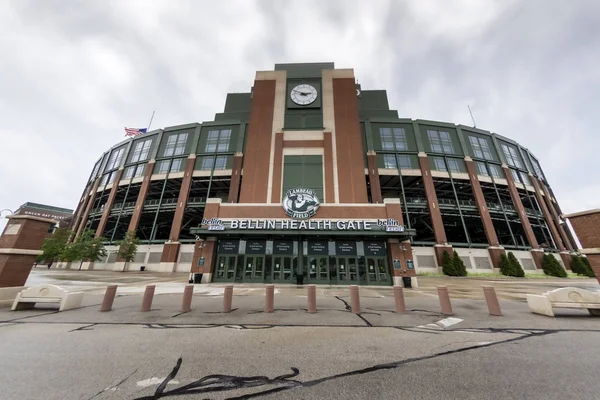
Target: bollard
269, 294
312, 298
492, 300
109, 298
445, 300
399, 299
227, 298
354, 299
186, 304
148, 295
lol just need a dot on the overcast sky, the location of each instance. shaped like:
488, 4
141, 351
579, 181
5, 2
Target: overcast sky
74, 73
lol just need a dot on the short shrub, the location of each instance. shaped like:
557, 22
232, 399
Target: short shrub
459, 265
448, 264
505, 265
515, 266
552, 267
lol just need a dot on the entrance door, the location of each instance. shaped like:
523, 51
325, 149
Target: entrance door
254, 268
281, 270
318, 269
347, 270
225, 270
377, 271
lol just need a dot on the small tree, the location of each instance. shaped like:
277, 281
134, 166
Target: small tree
505, 267
515, 266
128, 246
448, 264
552, 267
54, 246
586, 267
459, 266
577, 265
86, 247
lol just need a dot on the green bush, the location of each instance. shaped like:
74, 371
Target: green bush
515, 266
552, 267
505, 265
448, 264
581, 266
459, 265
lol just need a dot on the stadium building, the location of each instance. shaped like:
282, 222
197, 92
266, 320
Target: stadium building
309, 177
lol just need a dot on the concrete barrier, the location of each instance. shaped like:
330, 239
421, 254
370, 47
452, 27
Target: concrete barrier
49, 294
444, 300
399, 299
269, 298
354, 299
186, 303
569, 297
492, 300
311, 298
148, 296
109, 298
227, 298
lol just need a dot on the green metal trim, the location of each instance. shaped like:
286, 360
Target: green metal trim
178, 127
156, 146
499, 151
369, 135
418, 137
195, 139
436, 123
242, 232
228, 122
239, 146
462, 142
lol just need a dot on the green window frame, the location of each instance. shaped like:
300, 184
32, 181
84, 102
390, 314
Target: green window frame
481, 148
440, 165
393, 139
115, 159
175, 144
389, 161
440, 142
303, 172
512, 156
220, 162
218, 140
141, 150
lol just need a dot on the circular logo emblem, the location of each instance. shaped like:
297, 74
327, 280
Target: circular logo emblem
300, 203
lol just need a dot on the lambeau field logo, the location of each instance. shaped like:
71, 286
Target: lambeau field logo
300, 203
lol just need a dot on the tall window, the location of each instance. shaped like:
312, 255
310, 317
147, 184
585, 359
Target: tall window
163, 166
393, 139
303, 172
139, 170
219, 162
140, 151
512, 156
440, 142
96, 168
495, 170
115, 159
440, 165
218, 140
389, 161
175, 145
537, 168
481, 147
481, 168
128, 173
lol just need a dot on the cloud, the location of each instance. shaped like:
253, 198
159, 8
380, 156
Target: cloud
73, 74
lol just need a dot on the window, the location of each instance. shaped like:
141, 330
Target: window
163, 166
393, 139
176, 165
495, 170
218, 140
536, 168
128, 173
220, 162
96, 168
481, 168
440, 142
515, 175
481, 147
303, 172
440, 165
139, 170
512, 156
175, 145
525, 178
140, 151
389, 161
104, 179
115, 159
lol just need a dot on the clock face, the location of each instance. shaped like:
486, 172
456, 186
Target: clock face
304, 94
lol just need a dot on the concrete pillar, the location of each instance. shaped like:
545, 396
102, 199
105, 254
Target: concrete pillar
374, 177
311, 298
109, 298
434, 209
109, 203
20, 244
492, 300
445, 304
148, 296
354, 299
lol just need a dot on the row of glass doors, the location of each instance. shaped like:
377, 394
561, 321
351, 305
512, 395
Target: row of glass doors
334, 270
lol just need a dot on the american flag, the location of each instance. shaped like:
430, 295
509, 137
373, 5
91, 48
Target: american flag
134, 131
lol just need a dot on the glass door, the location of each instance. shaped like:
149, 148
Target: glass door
225, 269
318, 269
281, 270
254, 268
377, 271
342, 271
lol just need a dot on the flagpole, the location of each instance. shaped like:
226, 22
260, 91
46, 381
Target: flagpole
150, 123
468, 106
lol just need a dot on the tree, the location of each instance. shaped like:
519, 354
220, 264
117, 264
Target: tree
86, 247
448, 264
515, 266
54, 246
128, 246
552, 267
581, 266
459, 265
505, 267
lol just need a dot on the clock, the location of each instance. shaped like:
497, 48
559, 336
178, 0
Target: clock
304, 94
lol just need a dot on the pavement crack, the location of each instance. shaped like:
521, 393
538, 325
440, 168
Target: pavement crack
83, 328
115, 386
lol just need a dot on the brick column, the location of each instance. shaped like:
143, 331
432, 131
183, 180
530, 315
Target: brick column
139, 203
236, 176
546, 213
495, 249
109, 203
86, 213
400, 250
586, 225
80, 207
204, 248
277, 168
554, 214
374, 177
434, 210
536, 253
328, 166
20, 244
